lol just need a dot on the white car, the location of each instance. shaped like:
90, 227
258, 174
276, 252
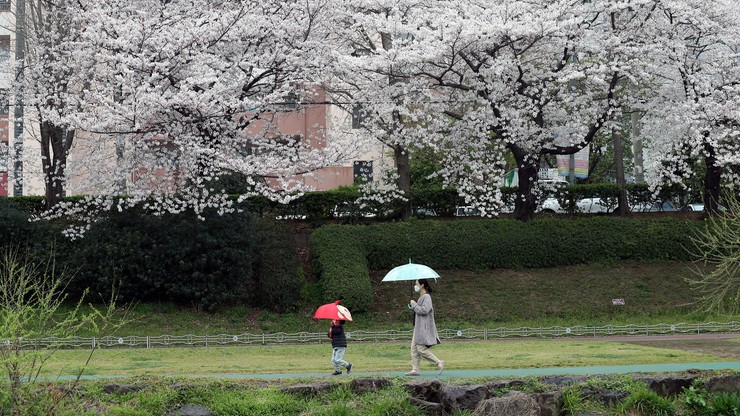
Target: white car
700, 207
585, 205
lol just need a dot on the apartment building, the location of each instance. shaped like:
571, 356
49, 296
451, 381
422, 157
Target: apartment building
6, 37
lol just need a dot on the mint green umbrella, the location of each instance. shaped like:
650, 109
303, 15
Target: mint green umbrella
411, 271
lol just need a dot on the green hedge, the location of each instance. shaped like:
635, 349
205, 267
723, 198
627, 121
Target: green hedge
177, 258
343, 254
320, 205
180, 258
277, 272
339, 258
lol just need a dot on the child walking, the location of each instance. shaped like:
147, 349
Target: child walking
339, 346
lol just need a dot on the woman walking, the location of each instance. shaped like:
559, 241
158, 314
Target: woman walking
425, 330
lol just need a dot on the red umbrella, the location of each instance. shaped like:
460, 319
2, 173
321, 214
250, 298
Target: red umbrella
333, 311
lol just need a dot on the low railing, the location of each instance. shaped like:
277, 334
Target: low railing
168, 341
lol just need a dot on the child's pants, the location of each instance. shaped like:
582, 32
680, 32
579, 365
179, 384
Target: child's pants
337, 358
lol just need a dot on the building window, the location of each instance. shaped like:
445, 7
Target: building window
359, 115
363, 171
4, 102
4, 5
4, 48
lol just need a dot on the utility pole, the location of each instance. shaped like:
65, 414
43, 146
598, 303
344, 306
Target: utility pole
20, 55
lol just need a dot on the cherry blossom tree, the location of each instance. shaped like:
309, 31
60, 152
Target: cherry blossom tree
46, 84
170, 99
483, 79
692, 113
361, 83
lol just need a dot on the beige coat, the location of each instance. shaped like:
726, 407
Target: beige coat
425, 330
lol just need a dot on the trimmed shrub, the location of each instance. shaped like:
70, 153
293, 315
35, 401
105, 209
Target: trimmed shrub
344, 253
171, 257
279, 279
339, 260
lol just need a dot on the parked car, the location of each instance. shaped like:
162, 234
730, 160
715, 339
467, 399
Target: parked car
700, 207
422, 212
585, 205
467, 211
345, 210
665, 206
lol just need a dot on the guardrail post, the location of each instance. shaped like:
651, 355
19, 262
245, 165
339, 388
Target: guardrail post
93, 342
148, 344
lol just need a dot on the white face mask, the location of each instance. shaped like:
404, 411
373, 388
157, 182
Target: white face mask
416, 288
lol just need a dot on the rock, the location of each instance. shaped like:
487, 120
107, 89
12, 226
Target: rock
513, 404
362, 385
191, 410
560, 381
728, 384
424, 389
429, 408
462, 397
122, 388
504, 384
551, 403
611, 397
668, 386
307, 389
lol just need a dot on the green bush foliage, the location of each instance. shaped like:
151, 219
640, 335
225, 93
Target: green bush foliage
724, 404
339, 258
178, 258
279, 279
39, 240
344, 253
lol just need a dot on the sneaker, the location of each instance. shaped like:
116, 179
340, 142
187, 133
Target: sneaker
412, 374
336, 373
441, 367
349, 368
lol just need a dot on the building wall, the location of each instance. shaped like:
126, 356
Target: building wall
6, 40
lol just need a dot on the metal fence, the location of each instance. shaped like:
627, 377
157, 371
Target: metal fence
169, 341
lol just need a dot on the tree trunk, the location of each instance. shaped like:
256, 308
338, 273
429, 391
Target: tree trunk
401, 156
712, 180
619, 166
525, 203
55, 144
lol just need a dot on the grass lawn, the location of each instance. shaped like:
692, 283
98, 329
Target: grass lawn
365, 358
575, 295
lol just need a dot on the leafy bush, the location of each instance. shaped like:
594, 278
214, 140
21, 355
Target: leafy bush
279, 279
36, 239
344, 253
339, 260
724, 404
170, 257
695, 398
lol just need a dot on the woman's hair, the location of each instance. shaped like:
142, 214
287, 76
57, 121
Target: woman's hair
425, 284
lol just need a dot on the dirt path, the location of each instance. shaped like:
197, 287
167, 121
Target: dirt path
726, 347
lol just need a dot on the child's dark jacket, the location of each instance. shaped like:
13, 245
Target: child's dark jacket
338, 339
